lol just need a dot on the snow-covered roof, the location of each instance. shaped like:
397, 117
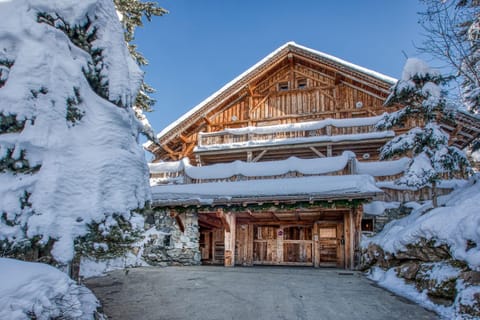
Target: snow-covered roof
289, 45
309, 188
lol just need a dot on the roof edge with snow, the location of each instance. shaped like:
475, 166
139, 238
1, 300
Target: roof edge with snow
272, 57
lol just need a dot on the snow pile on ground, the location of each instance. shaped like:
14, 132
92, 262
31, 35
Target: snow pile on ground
389, 280
38, 291
86, 163
455, 224
90, 267
433, 255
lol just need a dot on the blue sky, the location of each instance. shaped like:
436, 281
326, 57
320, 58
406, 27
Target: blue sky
201, 45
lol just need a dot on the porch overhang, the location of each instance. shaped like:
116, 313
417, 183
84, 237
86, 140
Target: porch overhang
275, 191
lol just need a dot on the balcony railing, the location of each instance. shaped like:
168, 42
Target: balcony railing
322, 128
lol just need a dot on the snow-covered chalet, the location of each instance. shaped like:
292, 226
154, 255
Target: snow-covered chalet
274, 167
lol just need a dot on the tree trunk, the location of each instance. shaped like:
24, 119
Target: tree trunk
434, 194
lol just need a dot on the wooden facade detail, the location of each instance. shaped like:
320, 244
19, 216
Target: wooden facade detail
295, 102
293, 85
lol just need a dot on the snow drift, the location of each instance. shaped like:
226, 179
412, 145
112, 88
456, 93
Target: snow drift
38, 291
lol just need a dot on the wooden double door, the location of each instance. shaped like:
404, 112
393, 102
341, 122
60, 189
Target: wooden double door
319, 245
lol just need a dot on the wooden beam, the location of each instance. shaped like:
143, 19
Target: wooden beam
250, 89
187, 150
259, 156
297, 215
274, 216
205, 219
363, 90
166, 148
329, 150
229, 240
338, 79
223, 219
207, 121
318, 153
358, 215
209, 222
259, 103
184, 139
311, 77
178, 220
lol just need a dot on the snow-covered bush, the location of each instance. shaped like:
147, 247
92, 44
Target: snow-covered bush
38, 291
72, 172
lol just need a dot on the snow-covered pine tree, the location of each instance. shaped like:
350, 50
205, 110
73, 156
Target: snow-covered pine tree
72, 173
419, 91
131, 14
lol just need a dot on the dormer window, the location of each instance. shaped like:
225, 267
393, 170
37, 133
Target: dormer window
302, 83
283, 86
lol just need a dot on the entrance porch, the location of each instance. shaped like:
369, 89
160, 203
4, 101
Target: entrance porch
316, 237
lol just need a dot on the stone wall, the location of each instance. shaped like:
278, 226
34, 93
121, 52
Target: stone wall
166, 244
415, 265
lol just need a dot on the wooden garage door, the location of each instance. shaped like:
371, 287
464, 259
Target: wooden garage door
283, 245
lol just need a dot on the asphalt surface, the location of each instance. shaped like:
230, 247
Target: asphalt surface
239, 293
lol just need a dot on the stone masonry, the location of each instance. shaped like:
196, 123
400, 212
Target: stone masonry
168, 245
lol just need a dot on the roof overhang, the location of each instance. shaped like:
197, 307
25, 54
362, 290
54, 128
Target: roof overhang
304, 189
376, 79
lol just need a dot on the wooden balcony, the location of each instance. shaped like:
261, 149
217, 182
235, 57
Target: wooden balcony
248, 135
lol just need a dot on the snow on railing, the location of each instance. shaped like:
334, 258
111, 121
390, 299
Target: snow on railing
326, 127
181, 172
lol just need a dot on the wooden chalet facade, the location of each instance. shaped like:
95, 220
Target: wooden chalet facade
268, 208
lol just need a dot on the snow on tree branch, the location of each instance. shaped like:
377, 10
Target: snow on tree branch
72, 174
420, 92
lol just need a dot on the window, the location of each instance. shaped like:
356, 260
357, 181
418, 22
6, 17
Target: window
367, 225
283, 86
302, 83
328, 232
167, 240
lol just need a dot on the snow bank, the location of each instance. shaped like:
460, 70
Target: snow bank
389, 280
455, 223
91, 169
38, 291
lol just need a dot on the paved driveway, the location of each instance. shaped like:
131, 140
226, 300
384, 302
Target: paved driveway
248, 293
